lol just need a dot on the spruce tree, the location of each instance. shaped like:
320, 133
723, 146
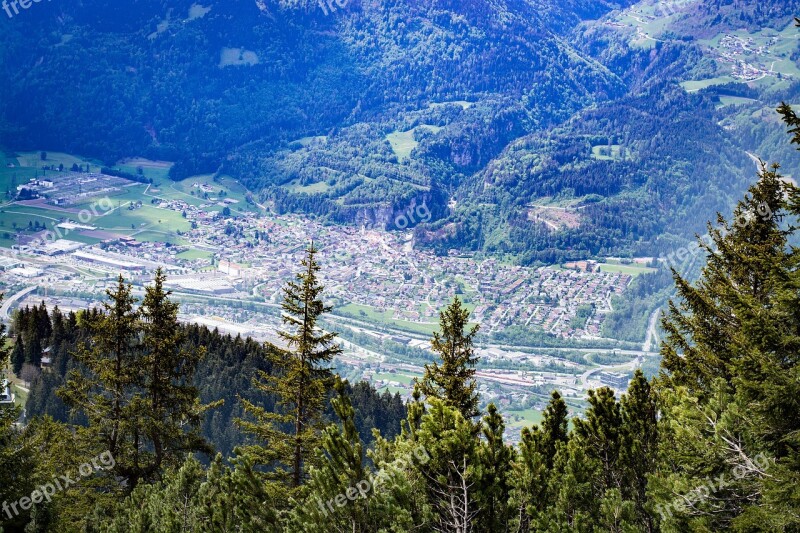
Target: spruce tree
18, 355
301, 382
106, 386
453, 380
171, 410
342, 472
746, 260
731, 375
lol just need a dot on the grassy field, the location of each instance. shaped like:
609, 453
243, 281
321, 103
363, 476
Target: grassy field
33, 160
725, 101
405, 379
314, 188
463, 103
696, 85
305, 141
614, 152
156, 170
233, 190
195, 254
372, 315
145, 217
147, 223
403, 142
523, 418
632, 270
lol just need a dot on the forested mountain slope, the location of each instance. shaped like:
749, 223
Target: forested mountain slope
484, 110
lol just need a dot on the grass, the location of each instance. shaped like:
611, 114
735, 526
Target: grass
614, 152
366, 312
403, 142
305, 141
237, 57
463, 103
400, 378
74, 236
33, 160
384, 318
192, 254
631, 270
159, 236
156, 170
696, 85
314, 188
234, 190
149, 217
523, 418
734, 100
21, 397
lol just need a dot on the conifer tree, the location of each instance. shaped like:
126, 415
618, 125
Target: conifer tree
171, 410
17, 459
730, 363
302, 382
745, 263
106, 388
555, 427
529, 479
573, 503
600, 436
494, 469
18, 355
453, 380
342, 495
451, 474
639, 449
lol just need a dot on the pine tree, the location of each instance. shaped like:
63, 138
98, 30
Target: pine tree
494, 469
341, 472
530, 471
555, 427
730, 361
301, 383
451, 474
171, 409
533, 466
106, 389
600, 436
453, 381
573, 502
639, 449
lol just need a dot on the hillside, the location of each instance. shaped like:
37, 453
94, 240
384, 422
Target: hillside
484, 111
